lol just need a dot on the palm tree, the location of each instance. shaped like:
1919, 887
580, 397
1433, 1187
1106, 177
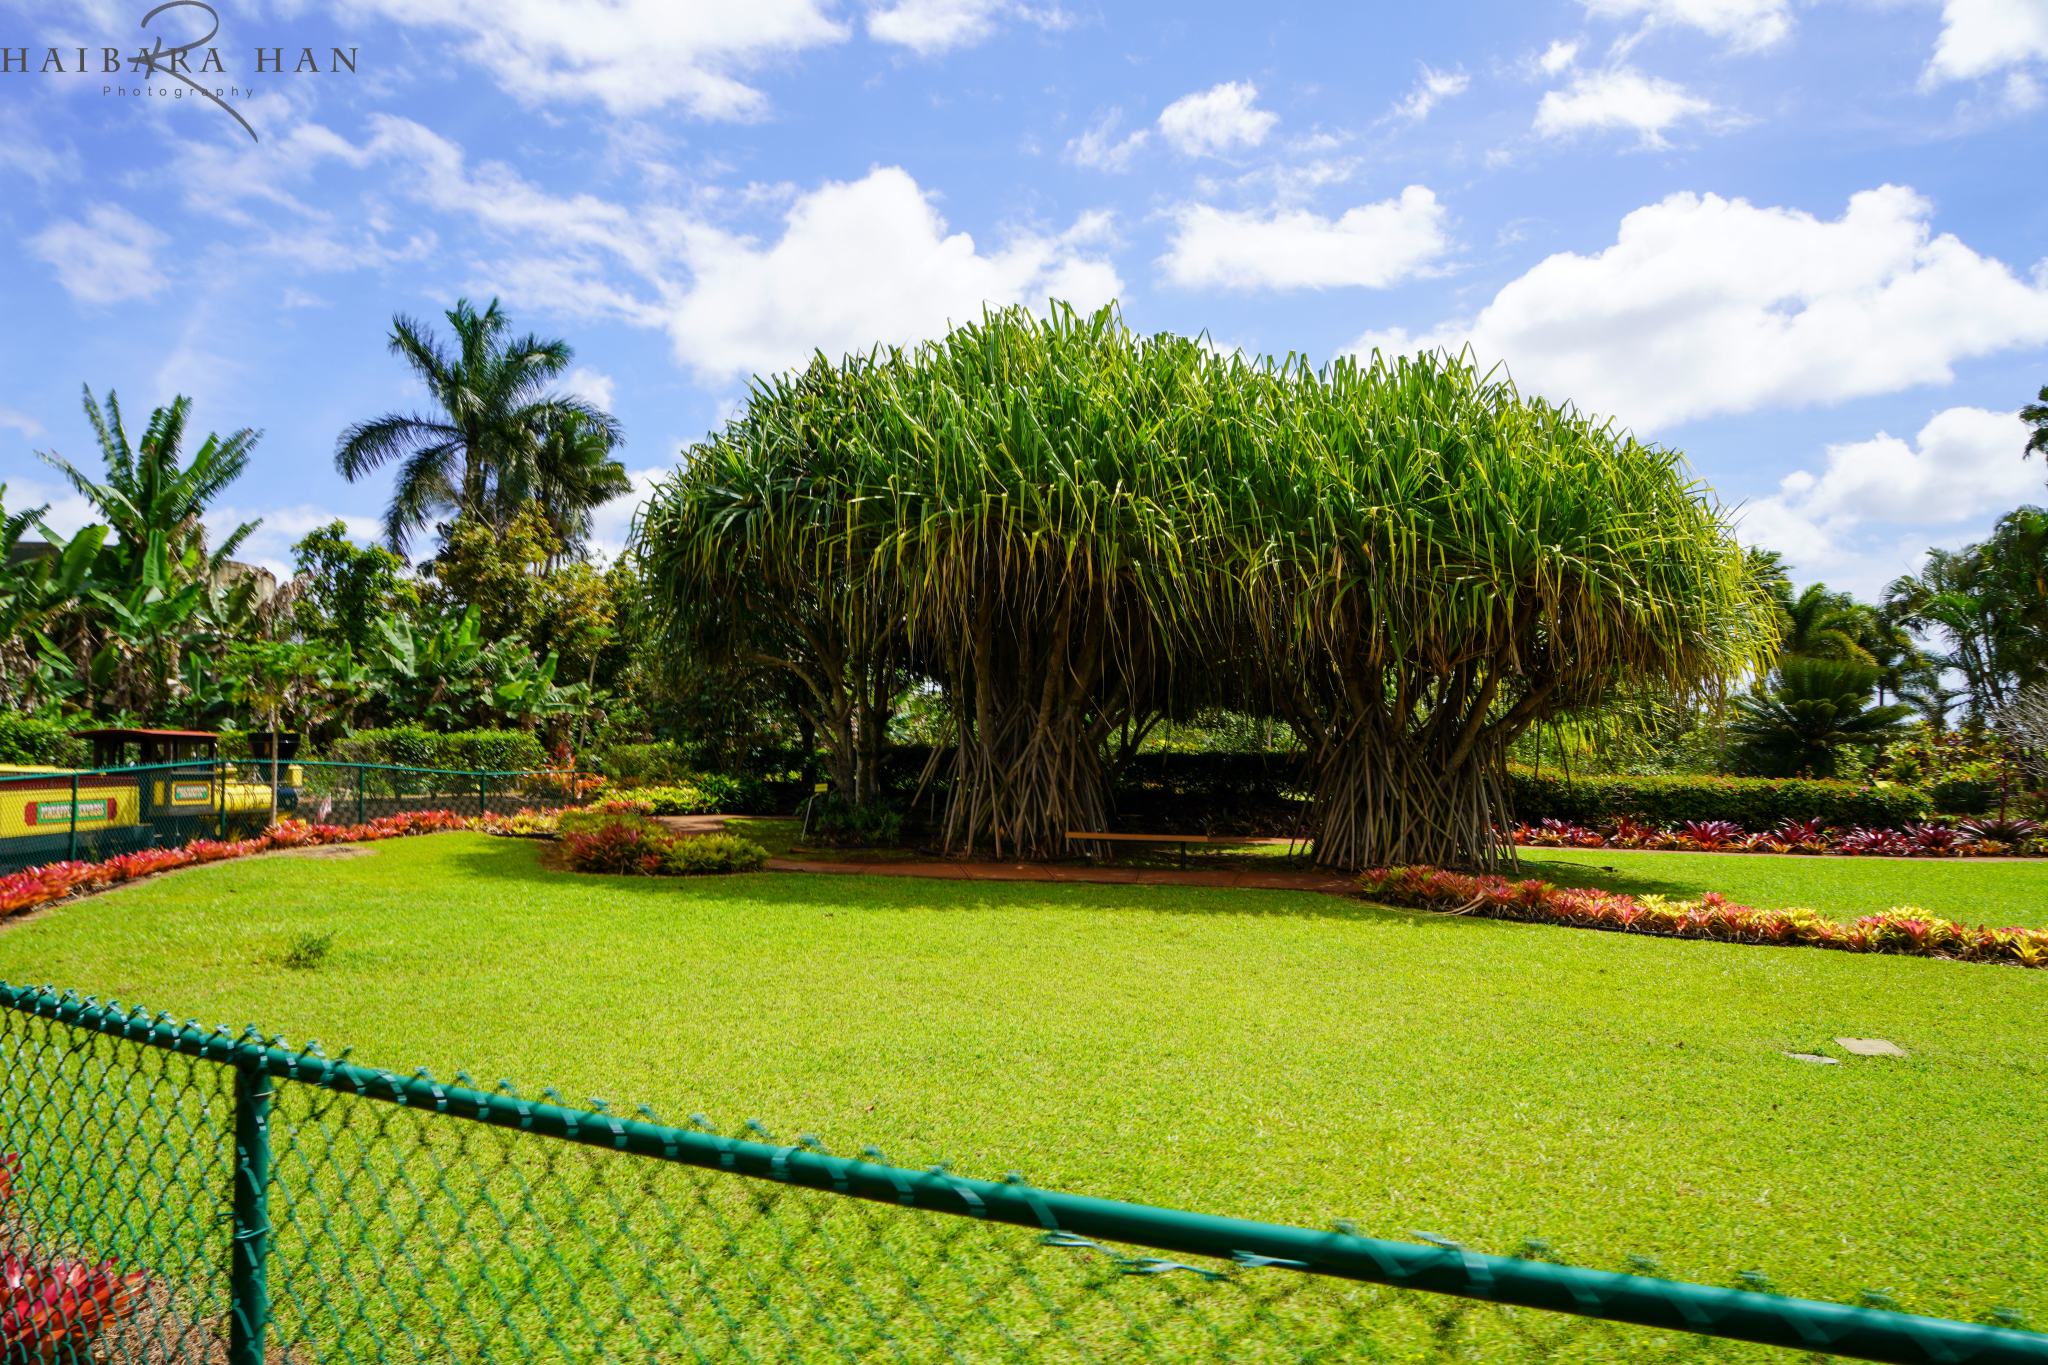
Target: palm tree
148, 488
1814, 708
2035, 415
570, 473
480, 455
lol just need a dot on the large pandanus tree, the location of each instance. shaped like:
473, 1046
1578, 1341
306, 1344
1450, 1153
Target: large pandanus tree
1430, 564
756, 553
1042, 489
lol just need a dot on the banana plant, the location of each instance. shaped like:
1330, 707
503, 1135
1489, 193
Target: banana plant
32, 591
148, 619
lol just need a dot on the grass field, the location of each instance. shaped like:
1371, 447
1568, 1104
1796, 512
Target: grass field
1274, 1055
1996, 893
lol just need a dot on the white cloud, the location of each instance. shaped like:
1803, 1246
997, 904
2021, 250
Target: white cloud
1433, 89
856, 263
1979, 37
108, 258
21, 422
859, 263
1214, 121
589, 384
1966, 466
1707, 305
928, 27
1559, 55
630, 55
1372, 246
1098, 148
1618, 97
931, 26
1748, 25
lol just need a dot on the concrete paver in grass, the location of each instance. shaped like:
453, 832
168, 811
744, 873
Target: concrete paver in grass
1870, 1047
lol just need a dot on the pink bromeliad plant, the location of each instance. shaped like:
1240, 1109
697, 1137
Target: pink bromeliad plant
1902, 929
51, 1310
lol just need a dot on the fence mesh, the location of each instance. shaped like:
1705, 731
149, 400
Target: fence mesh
165, 1199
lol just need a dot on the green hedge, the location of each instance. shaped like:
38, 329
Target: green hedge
457, 751
33, 743
1755, 803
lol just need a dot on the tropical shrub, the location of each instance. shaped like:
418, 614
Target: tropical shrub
527, 824
835, 820
1963, 796
715, 853
32, 743
640, 765
629, 845
1752, 802
730, 795
409, 746
1902, 929
677, 799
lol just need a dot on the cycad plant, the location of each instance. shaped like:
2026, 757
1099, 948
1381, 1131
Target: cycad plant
1811, 709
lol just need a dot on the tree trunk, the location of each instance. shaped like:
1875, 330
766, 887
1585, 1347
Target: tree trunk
1027, 766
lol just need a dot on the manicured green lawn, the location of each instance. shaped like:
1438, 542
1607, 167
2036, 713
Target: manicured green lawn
1273, 1055
1998, 893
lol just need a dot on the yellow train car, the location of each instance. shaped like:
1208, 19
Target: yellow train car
178, 792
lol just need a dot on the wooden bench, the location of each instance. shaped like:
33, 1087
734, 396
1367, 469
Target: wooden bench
1182, 839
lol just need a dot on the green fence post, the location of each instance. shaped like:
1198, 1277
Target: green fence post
482, 802
248, 1283
73, 853
359, 793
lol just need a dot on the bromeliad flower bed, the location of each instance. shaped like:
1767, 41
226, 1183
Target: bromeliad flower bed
1984, 838
27, 889
1903, 929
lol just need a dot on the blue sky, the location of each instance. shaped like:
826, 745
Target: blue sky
1803, 242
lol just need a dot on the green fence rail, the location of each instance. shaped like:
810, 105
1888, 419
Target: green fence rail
97, 813
211, 1196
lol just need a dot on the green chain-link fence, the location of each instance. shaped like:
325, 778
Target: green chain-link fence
169, 1194
51, 815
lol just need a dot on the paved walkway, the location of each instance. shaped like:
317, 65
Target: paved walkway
954, 871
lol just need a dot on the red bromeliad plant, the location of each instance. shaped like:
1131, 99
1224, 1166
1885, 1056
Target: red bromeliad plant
1937, 840
1903, 929
620, 846
1712, 835
1884, 843
52, 1310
